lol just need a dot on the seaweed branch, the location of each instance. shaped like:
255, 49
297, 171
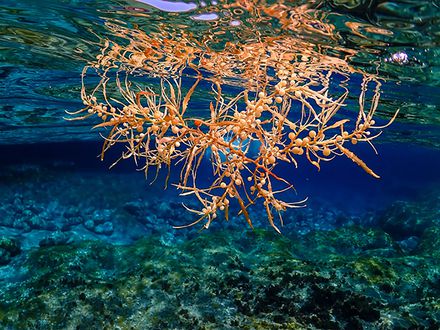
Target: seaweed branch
291, 102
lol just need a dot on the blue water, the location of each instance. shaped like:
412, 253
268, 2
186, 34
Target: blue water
83, 246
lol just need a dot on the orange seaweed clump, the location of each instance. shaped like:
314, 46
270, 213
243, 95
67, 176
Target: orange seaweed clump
290, 103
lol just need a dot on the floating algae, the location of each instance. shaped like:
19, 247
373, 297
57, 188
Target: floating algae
290, 100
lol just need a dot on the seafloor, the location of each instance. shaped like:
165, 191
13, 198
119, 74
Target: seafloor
83, 248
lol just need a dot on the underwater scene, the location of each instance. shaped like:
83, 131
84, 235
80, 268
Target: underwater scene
220, 164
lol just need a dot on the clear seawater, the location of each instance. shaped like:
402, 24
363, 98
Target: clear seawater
83, 246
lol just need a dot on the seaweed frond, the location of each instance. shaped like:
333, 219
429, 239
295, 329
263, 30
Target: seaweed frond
291, 102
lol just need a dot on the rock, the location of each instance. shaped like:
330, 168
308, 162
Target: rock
403, 220
409, 244
71, 221
350, 240
90, 225
134, 208
5, 218
9, 248
105, 229
72, 212
56, 238
430, 242
38, 222
101, 216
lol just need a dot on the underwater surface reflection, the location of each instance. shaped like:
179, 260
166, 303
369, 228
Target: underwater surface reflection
239, 99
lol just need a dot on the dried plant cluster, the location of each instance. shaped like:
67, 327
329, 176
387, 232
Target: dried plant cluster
291, 102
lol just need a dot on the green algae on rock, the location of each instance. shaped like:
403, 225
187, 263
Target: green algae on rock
9, 248
249, 280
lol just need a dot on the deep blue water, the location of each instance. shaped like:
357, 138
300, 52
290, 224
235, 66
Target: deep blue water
407, 173
56, 193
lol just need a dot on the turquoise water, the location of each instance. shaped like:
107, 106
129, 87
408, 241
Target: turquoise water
83, 246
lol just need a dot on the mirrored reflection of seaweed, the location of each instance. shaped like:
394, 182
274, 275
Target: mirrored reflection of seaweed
292, 102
